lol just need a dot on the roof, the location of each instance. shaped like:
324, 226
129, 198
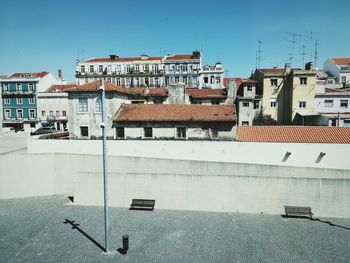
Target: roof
294, 134
30, 74
126, 59
180, 57
94, 86
60, 88
272, 70
341, 61
173, 112
207, 93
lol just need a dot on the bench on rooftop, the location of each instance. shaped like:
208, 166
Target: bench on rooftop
142, 204
298, 211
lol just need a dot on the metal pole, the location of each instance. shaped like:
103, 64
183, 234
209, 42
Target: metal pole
105, 177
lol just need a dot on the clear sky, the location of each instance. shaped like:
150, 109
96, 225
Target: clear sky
46, 35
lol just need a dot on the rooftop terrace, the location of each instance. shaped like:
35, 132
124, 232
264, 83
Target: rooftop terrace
33, 230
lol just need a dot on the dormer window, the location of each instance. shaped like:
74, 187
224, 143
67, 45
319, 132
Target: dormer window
273, 82
249, 88
91, 68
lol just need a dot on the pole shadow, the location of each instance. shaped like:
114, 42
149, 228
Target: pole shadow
330, 223
76, 226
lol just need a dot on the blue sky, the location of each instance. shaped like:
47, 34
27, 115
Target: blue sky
46, 35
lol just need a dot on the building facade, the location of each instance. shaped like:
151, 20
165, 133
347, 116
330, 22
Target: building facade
248, 101
19, 97
287, 91
338, 68
212, 77
175, 122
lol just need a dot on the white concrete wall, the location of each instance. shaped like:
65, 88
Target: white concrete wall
302, 155
319, 103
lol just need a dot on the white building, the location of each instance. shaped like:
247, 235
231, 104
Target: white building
212, 76
338, 68
334, 105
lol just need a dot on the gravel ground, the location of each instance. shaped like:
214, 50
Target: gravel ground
33, 230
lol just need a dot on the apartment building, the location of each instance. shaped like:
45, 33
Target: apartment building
212, 76
19, 97
286, 91
338, 68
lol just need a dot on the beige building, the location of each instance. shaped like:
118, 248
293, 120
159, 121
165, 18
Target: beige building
286, 91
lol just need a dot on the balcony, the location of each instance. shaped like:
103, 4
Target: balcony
19, 92
132, 72
57, 118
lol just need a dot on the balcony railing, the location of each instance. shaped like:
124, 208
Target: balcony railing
18, 92
120, 73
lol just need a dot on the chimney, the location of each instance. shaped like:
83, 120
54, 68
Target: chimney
60, 74
287, 68
176, 93
231, 92
113, 56
196, 54
309, 66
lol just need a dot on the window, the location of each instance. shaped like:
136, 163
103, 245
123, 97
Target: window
302, 104
7, 101
330, 81
181, 132
211, 79
127, 69
147, 132
6, 87
137, 82
328, 103
43, 113
51, 113
31, 114
137, 68
333, 122
147, 81
118, 68
31, 100
98, 105
109, 68
156, 82
19, 101
64, 113
249, 88
31, 87
7, 114
303, 80
127, 82
205, 79
84, 131
118, 81
273, 82
273, 103
146, 68
214, 134
18, 87
83, 105
176, 79
218, 80
245, 123
344, 103
19, 114
184, 79
82, 69
245, 104
343, 79
256, 104
57, 113
100, 68
166, 81
91, 68
120, 132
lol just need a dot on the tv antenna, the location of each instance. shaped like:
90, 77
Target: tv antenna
316, 52
311, 44
258, 56
293, 41
303, 54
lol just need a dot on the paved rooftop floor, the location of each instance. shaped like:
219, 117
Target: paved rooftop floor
33, 230
10, 142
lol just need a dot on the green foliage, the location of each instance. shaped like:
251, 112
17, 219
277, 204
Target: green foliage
264, 119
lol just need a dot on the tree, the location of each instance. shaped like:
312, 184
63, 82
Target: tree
264, 119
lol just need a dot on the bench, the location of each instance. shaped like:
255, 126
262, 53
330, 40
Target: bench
298, 211
142, 204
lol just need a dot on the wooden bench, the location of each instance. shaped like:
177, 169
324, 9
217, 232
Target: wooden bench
142, 204
298, 211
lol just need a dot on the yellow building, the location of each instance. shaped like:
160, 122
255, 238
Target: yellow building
286, 91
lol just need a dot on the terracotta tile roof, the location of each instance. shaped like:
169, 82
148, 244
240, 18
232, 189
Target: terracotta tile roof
94, 86
272, 70
341, 61
174, 113
180, 57
60, 88
127, 59
207, 93
226, 80
33, 74
294, 134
